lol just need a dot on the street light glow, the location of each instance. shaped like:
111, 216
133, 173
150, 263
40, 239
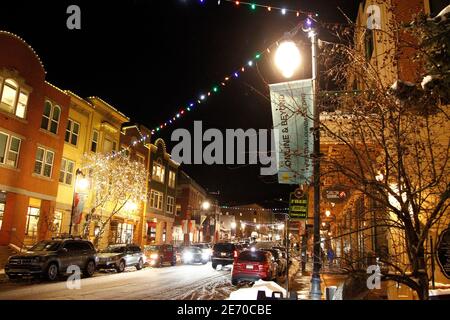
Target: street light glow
206, 205
287, 58
82, 184
327, 213
233, 225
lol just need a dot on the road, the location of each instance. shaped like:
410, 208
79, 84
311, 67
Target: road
168, 283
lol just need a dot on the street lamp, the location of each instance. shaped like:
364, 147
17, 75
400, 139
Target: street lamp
81, 185
287, 58
206, 205
287, 67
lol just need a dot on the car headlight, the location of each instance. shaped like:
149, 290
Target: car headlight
205, 255
154, 256
187, 256
37, 259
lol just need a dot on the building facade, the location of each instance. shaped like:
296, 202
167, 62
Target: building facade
161, 204
33, 118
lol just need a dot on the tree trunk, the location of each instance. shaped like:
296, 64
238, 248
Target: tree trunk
422, 275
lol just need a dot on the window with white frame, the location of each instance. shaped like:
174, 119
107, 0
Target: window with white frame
72, 132
156, 199
50, 117
170, 204
66, 172
32, 222
44, 162
158, 171
172, 176
13, 99
9, 149
94, 142
109, 145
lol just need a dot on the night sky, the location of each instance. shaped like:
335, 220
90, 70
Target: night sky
148, 58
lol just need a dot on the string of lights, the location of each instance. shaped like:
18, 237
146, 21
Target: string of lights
254, 6
253, 209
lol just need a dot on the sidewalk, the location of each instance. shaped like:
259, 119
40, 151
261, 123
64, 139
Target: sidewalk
329, 277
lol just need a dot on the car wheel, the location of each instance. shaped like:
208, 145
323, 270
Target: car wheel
234, 282
90, 269
160, 263
174, 263
214, 265
204, 262
52, 272
140, 265
121, 266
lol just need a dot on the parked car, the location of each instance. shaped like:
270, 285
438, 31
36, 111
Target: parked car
205, 247
194, 255
51, 258
253, 265
224, 253
158, 255
279, 259
120, 256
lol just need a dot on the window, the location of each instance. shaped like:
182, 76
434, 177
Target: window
125, 150
140, 158
172, 179
107, 145
32, 222
44, 162
369, 43
66, 172
13, 99
94, 142
2, 206
156, 200
9, 149
72, 132
57, 223
50, 117
158, 171
170, 204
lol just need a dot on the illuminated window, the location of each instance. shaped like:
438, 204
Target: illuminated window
172, 176
156, 199
32, 222
72, 132
13, 100
9, 149
170, 204
94, 142
50, 117
158, 171
44, 162
108, 145
66, 172
57, 223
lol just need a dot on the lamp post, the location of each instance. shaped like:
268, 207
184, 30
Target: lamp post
287, 66
79, 185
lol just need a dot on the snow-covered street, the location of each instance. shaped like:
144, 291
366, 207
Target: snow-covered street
178, 282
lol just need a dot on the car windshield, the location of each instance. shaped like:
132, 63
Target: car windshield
224, 247
152, 248
192, 249
114, 249
252, 256
46, 246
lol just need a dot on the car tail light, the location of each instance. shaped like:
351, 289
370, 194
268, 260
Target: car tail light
235, 254
263, 266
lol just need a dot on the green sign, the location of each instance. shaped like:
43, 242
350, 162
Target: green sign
298, 206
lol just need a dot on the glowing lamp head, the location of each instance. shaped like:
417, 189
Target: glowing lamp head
82, 184
206, 205
327, 213
287, 58
233, 225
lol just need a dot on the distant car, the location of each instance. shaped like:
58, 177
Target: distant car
279, 259
120, 256
158, 255
224, 253
253, 265
194, 255
51, 258
205, 247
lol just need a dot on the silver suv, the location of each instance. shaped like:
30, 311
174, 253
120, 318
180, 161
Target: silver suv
51, 258
120, 256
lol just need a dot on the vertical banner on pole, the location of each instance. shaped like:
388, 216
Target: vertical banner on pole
292, 113
78, 207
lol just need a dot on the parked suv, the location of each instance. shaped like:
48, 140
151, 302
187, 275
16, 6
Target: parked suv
224, 253
120, 256
51, 258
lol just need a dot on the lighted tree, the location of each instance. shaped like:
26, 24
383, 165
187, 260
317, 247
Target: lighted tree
117, 183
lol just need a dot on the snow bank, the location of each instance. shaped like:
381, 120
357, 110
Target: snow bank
439, 292
252, 293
